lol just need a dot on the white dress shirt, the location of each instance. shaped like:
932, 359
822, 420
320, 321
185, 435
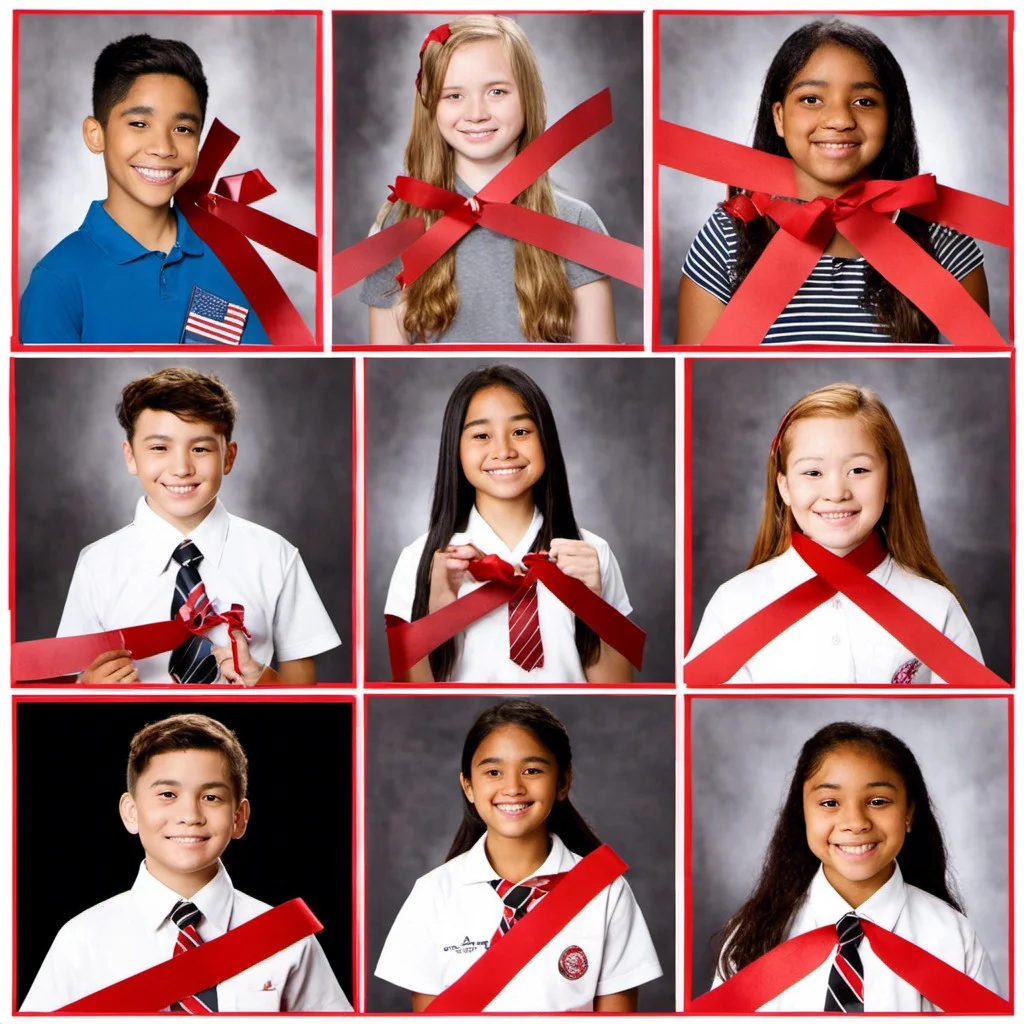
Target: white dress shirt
133, 931
127, 579
483, 648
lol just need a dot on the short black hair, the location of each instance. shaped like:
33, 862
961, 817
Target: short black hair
122, 62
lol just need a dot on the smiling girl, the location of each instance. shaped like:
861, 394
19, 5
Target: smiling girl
836, 101
519, 835
856, 838
501, 488
838, 472
479, 101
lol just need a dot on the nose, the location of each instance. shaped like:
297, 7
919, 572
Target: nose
854, 820
476, 109
838, 117
513, 786
161, 143
190, 811
183, 463
506, 448
837, 489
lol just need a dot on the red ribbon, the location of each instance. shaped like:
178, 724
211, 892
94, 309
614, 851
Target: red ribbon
849, 575
770, 975
69, 655
224, 219
435, 35
862, 215
410, 642
503, 960
204, 966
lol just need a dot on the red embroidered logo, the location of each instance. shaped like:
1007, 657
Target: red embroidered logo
572, 964
904, 675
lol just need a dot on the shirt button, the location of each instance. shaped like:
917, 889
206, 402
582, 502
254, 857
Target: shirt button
835, 640
837, 604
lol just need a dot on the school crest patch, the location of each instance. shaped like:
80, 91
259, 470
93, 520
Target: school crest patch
572, 964
904, 675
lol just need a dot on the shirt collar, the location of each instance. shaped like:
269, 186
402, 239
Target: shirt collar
791, 570
476, 867
156, 538
883, 907
121, 247
155, 901
479, 533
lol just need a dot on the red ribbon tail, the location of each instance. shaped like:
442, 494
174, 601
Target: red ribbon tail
969, 214
277, 235
351, 265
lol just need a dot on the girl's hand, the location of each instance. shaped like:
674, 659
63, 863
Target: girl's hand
251, 670
578, 559
447, 572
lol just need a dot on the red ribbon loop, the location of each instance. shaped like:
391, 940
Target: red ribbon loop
440, 35
249, 187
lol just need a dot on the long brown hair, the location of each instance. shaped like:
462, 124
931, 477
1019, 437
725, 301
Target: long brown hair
901, 526
542, 288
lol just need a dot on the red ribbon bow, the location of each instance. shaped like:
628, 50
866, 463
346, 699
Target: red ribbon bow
222, 216
435, 35
861, 215
410, 642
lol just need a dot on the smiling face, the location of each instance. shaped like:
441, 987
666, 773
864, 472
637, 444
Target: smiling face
857, 817
185, 812
500, 448
514, 784
834, 120
150, 144
479, 113
835, 482
180, 464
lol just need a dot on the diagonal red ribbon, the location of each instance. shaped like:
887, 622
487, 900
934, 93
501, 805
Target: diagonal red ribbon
861, 215
410, 642
222, 217
770, 975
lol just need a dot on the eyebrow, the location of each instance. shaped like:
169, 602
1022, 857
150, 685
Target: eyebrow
177, 782
532, 759
487, 85
869, 785
182, 115
821, 458
511, 419
821, 84
167, 437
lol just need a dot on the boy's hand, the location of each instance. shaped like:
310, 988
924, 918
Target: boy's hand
251, 670
447, 572
578, 559
111, 667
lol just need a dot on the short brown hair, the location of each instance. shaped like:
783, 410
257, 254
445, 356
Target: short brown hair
189, 394
188, 732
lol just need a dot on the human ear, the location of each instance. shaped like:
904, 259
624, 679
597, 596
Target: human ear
129, 813
129, 458
777, 118
93, 134
910, 817
564, 784
783, 485
241, 820
467, 787
230, 454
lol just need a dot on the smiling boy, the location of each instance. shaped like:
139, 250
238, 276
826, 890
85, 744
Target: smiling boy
178, 424
127, 275
186, 801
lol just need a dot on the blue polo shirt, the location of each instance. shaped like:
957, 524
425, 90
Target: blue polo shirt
99, 286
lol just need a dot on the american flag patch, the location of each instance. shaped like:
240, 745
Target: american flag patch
211, 318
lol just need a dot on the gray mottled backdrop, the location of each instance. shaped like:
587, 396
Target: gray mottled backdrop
615, 424
623, 784
293, 473
245, 57
954, 415
375, 64
742, 757
712, 69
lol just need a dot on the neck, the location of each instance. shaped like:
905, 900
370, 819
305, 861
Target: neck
518, 858
183, 524
185, 885
508, 518
808, 188
857, 892
478, 173
155, 229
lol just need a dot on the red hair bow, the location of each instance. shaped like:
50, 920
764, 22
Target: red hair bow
435, 35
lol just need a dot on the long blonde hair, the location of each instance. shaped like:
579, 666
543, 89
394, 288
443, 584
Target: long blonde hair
542, 288
901, 526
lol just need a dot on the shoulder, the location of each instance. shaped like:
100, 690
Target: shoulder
261, 541
575, 211
919, 590
751, 583
246, 908
105, 548
933, 915
956, 252
411, 553
69, 255
84, 927
598, 542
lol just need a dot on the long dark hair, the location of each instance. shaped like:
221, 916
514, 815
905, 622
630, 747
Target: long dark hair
564, 821
763, 921
454, 495
898, 159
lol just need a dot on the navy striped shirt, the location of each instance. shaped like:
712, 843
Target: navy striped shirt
826, 308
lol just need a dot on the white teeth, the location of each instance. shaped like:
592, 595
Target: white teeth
187, 840
837, 145
505, 472
512, 808
836, 515
156, 174
862, 848
181, 488
481, 134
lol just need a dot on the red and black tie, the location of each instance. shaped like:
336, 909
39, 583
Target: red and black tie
524, 646
186, 916
193, 661
846, 979
518, 899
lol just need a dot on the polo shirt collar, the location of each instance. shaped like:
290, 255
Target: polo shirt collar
479, 533
791, 570
156, 538
155, 901
477, 868
883, 907
121, 247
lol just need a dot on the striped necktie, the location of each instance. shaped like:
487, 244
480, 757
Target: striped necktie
524, 644
193, 661
186, 916
518, 899
846, 979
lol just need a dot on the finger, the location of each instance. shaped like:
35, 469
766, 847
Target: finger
123, 673
132, 677
112, 669
108, 656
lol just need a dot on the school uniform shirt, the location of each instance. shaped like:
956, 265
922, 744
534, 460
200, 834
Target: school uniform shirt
133, 931
483, 648
99, 286
827, 306
908, 912
836, 642
450, 917
127, 579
